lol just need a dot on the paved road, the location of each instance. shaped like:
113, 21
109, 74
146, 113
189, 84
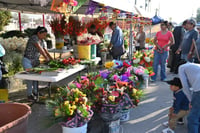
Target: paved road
146, 118
152, 112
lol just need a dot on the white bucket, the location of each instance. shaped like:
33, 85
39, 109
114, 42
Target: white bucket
114, 126
125, 115
82, 129
103, 57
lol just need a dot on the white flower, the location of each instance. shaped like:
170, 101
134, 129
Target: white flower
147, 59
136, 61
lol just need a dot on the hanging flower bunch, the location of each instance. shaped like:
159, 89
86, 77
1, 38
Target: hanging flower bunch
100, 25
75, 27
70, 105
71, 2
58, 26
104, 13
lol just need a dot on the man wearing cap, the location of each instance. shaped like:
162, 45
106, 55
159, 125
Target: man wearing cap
180, 105
190, 78
186, 48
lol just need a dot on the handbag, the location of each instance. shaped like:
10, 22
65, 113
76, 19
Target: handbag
4, 69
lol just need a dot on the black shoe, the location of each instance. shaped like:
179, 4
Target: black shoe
40, 94
180, 121
31, 98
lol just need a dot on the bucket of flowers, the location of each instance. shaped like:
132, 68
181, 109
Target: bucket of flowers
71, 108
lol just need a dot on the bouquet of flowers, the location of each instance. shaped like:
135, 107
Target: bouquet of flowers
14, 44
64, 63
75, 27
88, 39
134, 93
100, 25
59, 26
145, 59
71, 107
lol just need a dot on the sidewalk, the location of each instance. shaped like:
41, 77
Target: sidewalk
146, 118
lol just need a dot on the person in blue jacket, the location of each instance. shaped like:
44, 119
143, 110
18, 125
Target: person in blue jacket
180, 106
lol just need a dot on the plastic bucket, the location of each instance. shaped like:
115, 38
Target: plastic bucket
3, 95
84, 52
103, 57
82, 129
125, 115
59, 43
14, 117
114, 126
93, 51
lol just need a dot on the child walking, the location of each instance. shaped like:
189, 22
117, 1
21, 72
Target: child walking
180, 106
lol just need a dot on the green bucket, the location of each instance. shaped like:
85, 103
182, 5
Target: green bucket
93, 51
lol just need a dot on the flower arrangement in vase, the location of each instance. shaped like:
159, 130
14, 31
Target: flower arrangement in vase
58, 26
71, 107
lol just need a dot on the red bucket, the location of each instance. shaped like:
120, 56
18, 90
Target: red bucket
14, 117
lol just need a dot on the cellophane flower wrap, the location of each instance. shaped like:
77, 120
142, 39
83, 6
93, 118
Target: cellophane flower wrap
71, 107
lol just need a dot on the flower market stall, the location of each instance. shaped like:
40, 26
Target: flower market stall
110, 92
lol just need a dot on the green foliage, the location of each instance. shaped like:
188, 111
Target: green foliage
198, 15
29, 31
13, 33
5, 17
13, 61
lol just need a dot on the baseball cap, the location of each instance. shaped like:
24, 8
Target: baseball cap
176, 81
192, 21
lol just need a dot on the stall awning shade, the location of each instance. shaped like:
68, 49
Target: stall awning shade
124, 5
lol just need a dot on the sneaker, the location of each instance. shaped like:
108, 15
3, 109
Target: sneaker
168, 130
166, 124
40, 94
180, 121
31, 98
152, 80
164, 80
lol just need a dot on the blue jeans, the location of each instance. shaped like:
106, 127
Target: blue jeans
185, 57
117, 58
31, 85
194, 115
160, 58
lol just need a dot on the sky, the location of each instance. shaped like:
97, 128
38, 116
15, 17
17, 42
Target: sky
177, 10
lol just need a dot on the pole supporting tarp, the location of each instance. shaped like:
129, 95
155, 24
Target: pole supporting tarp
20, 21
43, 18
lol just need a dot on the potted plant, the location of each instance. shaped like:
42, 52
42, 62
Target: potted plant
71, 108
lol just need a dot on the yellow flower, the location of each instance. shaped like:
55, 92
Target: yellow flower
71, 112
73, 103
134, 91
109, 64
66, 103
74, 107
76, 99
111, 98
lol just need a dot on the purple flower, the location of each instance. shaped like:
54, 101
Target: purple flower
104, 74
124, 77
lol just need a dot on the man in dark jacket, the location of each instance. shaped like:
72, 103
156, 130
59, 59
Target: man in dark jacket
178, 33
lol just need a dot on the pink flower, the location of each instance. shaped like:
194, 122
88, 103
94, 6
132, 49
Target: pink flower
115, 93
78, 85
115, 77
